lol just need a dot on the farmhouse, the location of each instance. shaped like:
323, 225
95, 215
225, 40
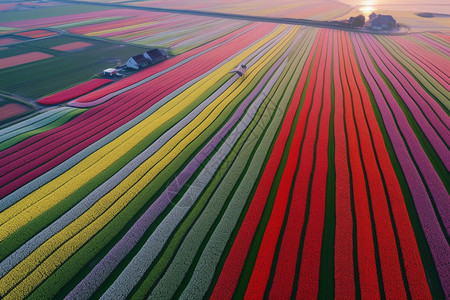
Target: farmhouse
382, 22
155, 56
138, 62
146, 59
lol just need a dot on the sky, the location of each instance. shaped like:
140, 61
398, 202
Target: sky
436, 6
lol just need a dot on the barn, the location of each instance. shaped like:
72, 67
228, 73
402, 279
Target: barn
138, 62
155, 56
382, 22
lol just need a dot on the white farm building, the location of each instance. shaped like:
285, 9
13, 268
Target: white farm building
146, 59
138, 62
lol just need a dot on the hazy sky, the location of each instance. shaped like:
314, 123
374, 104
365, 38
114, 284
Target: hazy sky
438, 6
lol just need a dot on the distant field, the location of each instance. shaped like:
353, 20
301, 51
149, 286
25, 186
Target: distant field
64, 69
57, 9
71, 46
11, 109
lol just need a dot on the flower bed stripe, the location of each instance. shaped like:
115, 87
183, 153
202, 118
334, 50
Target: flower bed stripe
75, 91
343, 262
8, 41
21, 127
12, 110
21, 59
36, 33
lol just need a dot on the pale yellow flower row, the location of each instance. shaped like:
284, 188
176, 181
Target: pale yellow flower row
39, 265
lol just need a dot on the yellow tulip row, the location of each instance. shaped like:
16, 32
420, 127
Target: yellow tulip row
40, 265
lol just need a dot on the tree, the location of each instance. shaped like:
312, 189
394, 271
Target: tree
359, 21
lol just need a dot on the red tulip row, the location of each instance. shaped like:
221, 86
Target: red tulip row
74, 92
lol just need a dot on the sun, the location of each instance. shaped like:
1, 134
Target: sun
367, 7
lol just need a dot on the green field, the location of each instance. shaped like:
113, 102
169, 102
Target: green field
64, 69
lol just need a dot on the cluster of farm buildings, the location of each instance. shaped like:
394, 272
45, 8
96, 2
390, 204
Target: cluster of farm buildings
381, 22
376, 22
140, 61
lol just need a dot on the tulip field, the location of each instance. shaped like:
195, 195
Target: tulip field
318, 10
179, 32
321, 173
